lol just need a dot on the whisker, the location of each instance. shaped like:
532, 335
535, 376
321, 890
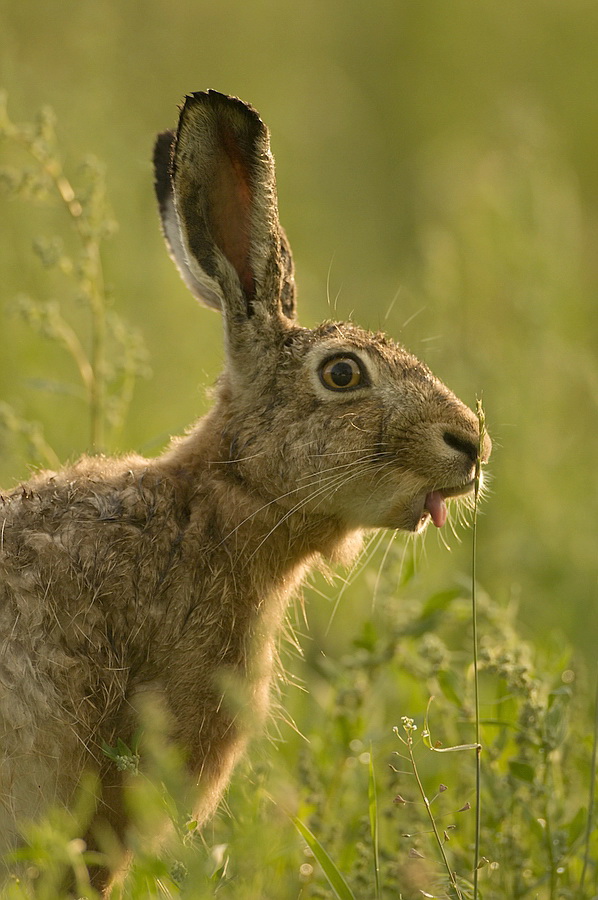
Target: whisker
441, 537
316, 477
334, 483
353, 462
328, 274
393, 535
362, 560
391, 304
340, 452
256, 512
236, 459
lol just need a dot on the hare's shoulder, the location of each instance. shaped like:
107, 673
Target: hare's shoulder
95, 490
94, 531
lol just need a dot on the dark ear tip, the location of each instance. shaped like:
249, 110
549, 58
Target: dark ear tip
217, 101
163, 148
163, 155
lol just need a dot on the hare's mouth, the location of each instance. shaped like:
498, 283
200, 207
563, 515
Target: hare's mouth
435, 506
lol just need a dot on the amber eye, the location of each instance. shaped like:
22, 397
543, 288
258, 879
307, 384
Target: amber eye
341, 373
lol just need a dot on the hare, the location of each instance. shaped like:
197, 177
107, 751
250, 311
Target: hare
129, 577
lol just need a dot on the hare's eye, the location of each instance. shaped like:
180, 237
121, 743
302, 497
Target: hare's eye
341, 373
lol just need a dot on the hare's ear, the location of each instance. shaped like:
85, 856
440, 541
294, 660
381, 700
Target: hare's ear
217, 194
163, 151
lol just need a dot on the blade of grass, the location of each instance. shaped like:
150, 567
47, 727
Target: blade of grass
373, 810
592, 798
333, 876
474, 615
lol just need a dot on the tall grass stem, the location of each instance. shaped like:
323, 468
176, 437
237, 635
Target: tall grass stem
373, 814
592, 797
474, 618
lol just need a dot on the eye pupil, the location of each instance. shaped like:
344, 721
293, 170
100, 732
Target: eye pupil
341, 373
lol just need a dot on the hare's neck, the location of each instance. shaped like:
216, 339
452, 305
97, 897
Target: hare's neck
261, 538
246, 555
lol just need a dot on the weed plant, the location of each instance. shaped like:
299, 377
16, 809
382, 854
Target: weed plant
417, 766
106, 354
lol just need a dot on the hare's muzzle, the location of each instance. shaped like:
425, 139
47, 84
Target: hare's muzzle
475, 453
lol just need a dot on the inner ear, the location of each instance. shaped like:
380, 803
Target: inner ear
230, 207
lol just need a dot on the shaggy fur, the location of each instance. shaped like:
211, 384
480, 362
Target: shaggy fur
125, 577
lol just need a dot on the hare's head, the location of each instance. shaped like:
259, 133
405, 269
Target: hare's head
333, 421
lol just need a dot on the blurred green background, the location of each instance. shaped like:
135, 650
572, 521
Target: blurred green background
438, 177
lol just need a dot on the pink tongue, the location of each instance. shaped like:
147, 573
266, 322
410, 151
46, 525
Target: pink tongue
436, 507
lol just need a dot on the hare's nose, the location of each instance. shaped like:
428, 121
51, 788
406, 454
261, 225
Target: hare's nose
462, 444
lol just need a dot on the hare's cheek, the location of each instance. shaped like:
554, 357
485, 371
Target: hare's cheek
362, 504
405, 514
391, 503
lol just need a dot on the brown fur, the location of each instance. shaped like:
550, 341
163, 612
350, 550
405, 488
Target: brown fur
123, 577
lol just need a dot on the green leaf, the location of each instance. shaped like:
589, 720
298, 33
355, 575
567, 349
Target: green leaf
436, 747
407, 571
334, 877
440, 601
522, 770
577, 825
368, 638
555, 726
456, 748
450, 685
432, 610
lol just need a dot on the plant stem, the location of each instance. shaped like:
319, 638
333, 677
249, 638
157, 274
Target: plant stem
592, 797
373, 811
93, 286
439, 841
548, 827
474, 617
97, 306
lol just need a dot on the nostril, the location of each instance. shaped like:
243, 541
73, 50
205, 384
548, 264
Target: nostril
462, 445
